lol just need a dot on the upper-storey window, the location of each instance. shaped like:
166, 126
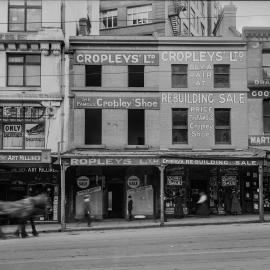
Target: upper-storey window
139, 15
23, 70
136, 76
108, 19
24, 15
221, 76
93, 75
266, 65
179, 75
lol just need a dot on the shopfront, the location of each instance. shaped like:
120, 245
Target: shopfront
109, 181
218, 178
29, 173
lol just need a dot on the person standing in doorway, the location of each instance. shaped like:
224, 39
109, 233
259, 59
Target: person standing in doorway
203, 209
87, 209
130, 207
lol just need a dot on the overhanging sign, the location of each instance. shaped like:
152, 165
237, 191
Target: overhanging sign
93, 161
210, 162
259, 93
118, 103
259, 140
106, 58
21, 157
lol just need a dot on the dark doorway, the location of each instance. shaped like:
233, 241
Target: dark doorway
116, 200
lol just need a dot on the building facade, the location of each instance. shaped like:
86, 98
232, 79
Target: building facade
164, 18
32, 94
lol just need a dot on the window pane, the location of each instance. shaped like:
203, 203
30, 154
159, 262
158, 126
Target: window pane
93, 75
266, 124
266, 59
93, 126
15, 75
179, 81
266, 73
32, 75
266, 107
32, 58
179, 69
222, 117
179, 136
33, 19
222, 136
179, 117
16, 19
136, 127
136, 76
15, 59
12, 136
221, 69
221, 80
35, 135
16, 2
34, 2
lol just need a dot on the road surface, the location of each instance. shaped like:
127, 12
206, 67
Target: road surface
245, 246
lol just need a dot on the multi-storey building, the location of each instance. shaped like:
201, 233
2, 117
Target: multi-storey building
165, 18
258, 70
32, 90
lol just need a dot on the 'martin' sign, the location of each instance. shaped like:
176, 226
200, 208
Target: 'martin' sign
259, 140
106, 58
117, 103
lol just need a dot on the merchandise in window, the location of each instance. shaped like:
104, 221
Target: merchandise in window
179, 76
266, 65
221, 76
179, 126
222, 126
23, 70
136, 76
108, 19
24, 15
139, 15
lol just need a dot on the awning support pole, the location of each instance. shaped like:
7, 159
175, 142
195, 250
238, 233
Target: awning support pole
261, 205
161, 168
63, 196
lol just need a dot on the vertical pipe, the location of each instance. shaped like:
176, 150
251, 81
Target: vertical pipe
161, 168
261, 209
63, 196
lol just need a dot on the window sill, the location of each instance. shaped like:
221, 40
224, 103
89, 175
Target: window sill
89, 146
137, 147
21, 88
180, 146
223, 147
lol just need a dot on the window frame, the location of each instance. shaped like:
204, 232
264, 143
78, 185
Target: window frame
228, 83
179, 127
24, 65
179, 74
130, 16
25, 8
103, 16
223, 127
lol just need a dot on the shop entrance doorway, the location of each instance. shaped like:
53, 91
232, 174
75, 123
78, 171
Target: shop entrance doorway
115, 200
199, 181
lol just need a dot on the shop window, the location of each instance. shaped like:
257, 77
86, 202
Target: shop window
221, 76
108, 19
23, 70
93, 75
136, 76
266, 65
22, 127
24, 15
222, 126
179, 126
139, 15
136, 127
179, 76
266, 116
93, 126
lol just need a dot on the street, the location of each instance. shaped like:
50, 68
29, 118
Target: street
245, 246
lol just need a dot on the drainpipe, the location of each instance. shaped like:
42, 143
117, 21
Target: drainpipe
261, 208
161, 168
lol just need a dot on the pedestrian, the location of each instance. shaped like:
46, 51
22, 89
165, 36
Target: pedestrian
178, 209
236, 207
227, 201
130, 207
87, 209
202, 208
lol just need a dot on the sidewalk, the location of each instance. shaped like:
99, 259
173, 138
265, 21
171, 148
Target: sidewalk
137, 224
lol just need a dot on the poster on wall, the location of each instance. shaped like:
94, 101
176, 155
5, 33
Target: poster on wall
228, 180
174, 180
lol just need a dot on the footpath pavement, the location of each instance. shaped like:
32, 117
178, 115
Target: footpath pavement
113, 224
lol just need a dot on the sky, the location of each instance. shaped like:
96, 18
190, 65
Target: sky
251, 13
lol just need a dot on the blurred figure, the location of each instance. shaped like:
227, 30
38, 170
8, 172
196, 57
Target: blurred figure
227, 201
236, 207
130, 207
202, 208
87, 209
